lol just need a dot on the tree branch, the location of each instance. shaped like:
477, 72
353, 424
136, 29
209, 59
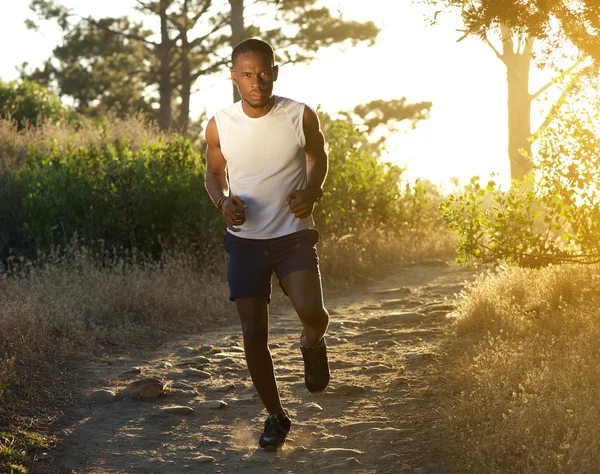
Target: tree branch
145, 41
217, 27
558, 78
494, 49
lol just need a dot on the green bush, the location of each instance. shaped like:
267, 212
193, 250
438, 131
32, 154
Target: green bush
29, 103
361, 191
115, 196
553, 216
110, 195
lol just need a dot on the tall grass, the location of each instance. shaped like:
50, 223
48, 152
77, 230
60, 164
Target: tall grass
526, 379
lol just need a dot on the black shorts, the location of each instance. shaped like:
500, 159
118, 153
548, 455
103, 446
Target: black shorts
252, 262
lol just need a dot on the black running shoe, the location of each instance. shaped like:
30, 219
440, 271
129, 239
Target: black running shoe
316, 366
276, 430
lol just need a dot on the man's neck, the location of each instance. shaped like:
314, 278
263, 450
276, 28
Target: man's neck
257, 112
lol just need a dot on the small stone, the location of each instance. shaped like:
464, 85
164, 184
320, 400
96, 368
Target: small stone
390, 457
399, 381
364, 424
214, 404
375, 332
418, 356
394, 291
178, 410
101, 396
145, 388
439, 307
335, 341
388, 434
188, 350
191, 372
385, 343
339, 452
349, 389
164, 365
227, 370
200, 360
224, 388
341, 364
289, 378
377, 369
203, 459
395, 318
241, 401
131, 372
392, 303
237, 349
311, 406
181, 385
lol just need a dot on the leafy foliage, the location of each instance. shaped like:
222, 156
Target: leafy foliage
579, 20
114, 196
551, 217
27, 103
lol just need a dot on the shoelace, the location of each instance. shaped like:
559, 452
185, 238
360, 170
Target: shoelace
315, 356
274, 425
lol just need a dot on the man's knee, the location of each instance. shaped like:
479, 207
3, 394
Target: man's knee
255, 334
313, 314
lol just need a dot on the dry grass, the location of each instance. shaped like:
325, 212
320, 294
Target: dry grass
525, 373
367, 254
14, 143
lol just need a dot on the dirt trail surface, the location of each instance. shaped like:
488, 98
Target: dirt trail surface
379, 414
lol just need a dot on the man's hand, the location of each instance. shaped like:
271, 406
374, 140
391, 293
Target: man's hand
301, 203
234, 211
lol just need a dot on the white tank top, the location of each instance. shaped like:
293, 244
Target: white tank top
265, 162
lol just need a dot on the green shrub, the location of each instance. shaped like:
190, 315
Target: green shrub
29, 103
108, 194
553, 216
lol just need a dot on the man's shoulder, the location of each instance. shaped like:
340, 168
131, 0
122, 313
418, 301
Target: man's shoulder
286, 101
230, 110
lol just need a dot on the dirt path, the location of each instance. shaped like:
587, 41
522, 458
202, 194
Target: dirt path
377, 416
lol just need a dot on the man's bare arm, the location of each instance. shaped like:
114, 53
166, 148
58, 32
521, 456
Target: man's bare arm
316, 158
215, 180
302, 201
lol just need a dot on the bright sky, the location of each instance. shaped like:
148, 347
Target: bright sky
465, 136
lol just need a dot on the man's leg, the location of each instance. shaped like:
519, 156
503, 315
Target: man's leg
303, 287
304, 290
254, 316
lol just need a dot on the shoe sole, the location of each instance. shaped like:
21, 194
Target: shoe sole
272, 448
317, 391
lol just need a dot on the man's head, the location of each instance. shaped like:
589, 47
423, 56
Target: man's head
254, 71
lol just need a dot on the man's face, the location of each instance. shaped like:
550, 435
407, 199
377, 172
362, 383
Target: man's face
254, 75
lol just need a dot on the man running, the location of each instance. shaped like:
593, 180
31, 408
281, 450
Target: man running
265, 167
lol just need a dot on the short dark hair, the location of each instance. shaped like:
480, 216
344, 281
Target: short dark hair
253, 45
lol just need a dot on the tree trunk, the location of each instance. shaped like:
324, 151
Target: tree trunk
165, 87
186, 80
237, 32
518, 64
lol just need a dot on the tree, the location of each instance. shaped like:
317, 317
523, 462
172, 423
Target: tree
579, 20
193, 40
178, 58
100, 71
516, 52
